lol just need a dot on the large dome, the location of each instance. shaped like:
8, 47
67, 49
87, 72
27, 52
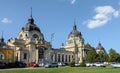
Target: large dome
30, 26
75, 32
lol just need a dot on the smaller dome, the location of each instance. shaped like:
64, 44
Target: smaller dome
31, 27
99, 47
2, 39
2, 43
75, 32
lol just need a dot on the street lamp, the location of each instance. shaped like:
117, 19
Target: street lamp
75, 45
51, 56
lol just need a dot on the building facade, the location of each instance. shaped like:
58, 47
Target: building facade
29, 46
6, 53
73, 50
75, 44
58, 56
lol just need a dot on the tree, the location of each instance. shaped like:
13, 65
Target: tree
102, 57
113, 56
72, 63
91, 55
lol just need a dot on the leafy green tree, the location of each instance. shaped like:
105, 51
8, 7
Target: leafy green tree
91, 55
72, 63
82, 64
118, 59
106, 57
102, 57
113, 56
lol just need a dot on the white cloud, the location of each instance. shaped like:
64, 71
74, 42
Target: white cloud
6, 20
103, 15
72, 1
116, 13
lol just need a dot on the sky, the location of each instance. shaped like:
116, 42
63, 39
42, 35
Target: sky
97, 20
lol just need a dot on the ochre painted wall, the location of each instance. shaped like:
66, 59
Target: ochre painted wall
8, 54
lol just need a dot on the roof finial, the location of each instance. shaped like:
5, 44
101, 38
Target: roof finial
31, 12
2, 34
74, 27
31, 20
99, 42
74, 21
2, 39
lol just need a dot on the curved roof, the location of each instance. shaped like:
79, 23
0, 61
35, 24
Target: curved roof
74, 32
100, 47
30, 26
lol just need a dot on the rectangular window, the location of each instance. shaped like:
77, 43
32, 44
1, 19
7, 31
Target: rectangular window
55, 58
25, 55
58, 57
62, 57
66, 58
69, 58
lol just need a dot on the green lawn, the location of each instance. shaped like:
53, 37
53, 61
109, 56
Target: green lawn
66, 70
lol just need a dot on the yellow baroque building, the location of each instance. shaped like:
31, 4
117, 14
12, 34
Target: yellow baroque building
29, 46
6, 53
75, 44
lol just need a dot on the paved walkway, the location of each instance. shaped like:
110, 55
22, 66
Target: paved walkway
22, 68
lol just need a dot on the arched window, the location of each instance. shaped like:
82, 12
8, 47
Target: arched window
2, 56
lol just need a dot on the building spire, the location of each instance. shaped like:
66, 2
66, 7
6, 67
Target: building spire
74, 27
2, 39
99, 43
2, 35
74, 21
31, 20
31, 12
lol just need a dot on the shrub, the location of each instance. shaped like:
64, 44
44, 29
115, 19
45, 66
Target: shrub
83, 64
72, 64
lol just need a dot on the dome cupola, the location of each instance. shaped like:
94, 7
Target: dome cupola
31, 20
30, 26
99, 47
75, 32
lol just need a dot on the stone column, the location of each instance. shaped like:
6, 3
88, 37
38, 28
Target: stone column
30, 54
53, 60
37, 56
64, 57
60, 57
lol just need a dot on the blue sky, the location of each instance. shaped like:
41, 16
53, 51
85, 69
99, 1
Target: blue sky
97, 20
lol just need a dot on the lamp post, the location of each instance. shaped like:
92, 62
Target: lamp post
75, 45
75, 51
51, 55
